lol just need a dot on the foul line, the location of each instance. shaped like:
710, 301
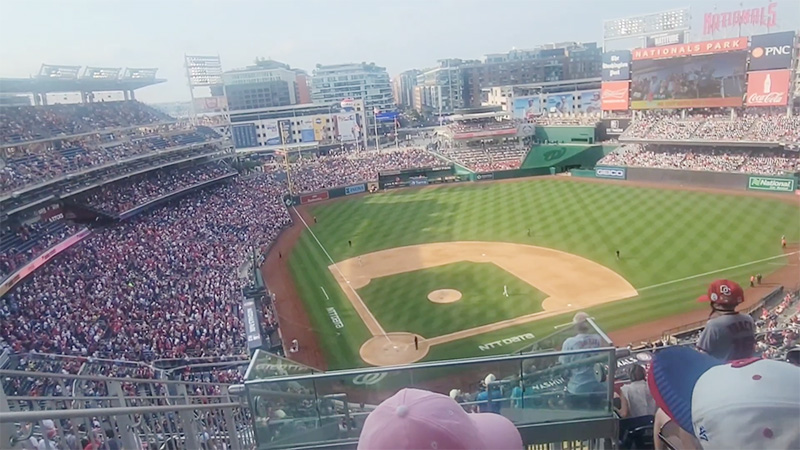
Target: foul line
326, 294
719, 270
335, 266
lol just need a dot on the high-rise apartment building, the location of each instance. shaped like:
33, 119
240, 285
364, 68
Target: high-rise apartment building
333, 83
403, 88
266, 84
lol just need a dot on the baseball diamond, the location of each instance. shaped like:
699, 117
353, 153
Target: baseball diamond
549, 243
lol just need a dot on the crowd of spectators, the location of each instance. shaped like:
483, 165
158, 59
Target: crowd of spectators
780, 327
582, 119
715, 159
25, 123
19, 244
313, 173
34, 163
748, 125
116, 198
476, 126
482, 156
164, 285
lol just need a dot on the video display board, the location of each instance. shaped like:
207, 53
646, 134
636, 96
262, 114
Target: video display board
701, 81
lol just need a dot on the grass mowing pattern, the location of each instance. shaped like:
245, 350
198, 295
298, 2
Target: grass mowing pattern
664, 235
400, 302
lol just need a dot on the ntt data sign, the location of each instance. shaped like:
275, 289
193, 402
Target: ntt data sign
771, 184
616, 173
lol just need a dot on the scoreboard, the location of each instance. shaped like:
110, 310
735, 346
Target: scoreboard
416, 177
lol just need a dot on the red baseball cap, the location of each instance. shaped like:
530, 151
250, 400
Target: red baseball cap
724, 292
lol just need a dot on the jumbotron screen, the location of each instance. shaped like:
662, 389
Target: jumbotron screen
704, 81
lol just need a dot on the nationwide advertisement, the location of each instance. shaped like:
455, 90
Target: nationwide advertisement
307, 129
665, 39
617, 173
313, 198
706, 81
319, 129
771, 184
765, 16
357, 189
270, 132
771, 51
614, 95
694, 48
346, 127
590, 101
617, 65
560, 103
768, 88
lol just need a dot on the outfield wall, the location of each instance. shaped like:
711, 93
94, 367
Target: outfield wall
719, 180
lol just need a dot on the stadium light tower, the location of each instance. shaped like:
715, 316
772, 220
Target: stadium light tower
209, 103
675, 21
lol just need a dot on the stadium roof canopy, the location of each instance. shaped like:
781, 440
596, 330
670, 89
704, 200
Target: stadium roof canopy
58, 85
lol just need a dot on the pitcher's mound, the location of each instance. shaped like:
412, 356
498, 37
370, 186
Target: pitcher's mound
393, 349
444, 296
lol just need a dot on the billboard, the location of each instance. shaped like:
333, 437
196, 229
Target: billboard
615, 127
346, 127
307, 129
694, 48
768, 88
771, 51
765, 16
706, 81
285, 129
590, 101
252, 324
614, 96
208, 105
665, 39
526, 107
270, 132
617, 65
319, 129
244, 135
560, 103
616, 173
771, 184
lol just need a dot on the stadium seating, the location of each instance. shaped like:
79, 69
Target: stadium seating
483, 157
313, 173
21, 244
715, 159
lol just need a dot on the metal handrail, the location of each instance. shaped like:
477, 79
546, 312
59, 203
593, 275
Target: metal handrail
21, 373
56, 414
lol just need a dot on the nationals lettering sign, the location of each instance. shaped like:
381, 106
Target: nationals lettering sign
694, 48
771, 51
768, 88
763, 17
614, 96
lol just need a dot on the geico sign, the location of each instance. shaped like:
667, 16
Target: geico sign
773, 98
758, 52
610, 173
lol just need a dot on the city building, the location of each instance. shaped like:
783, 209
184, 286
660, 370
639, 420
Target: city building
367, 82
265, 84
442, 86
403, 88
552, 62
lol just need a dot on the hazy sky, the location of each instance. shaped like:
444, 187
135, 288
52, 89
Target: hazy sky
398, 34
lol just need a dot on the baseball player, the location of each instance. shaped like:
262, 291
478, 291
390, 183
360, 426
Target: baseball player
783, 241
728, 335
505, 291
359, 261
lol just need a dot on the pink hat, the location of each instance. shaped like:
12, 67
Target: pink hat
413, 419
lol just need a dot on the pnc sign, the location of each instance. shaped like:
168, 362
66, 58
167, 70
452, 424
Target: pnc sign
771, 51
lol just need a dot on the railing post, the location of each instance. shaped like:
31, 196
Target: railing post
187, 418
124, 422
230, 424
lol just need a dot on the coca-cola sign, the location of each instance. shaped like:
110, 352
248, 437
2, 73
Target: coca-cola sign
768, 88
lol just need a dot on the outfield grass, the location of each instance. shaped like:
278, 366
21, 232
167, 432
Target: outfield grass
400, 302
663, 235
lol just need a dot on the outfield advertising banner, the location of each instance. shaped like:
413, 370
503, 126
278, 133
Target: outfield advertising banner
771, 51
319, 129
313, 198
307, 130
590, 101
357, 189
484, 176
706, 81
771, 184
768, 88
694, 48
526, 108
616, 173
617, 65
560, 103
614, 96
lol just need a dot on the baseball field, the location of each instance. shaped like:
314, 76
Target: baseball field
477, 269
